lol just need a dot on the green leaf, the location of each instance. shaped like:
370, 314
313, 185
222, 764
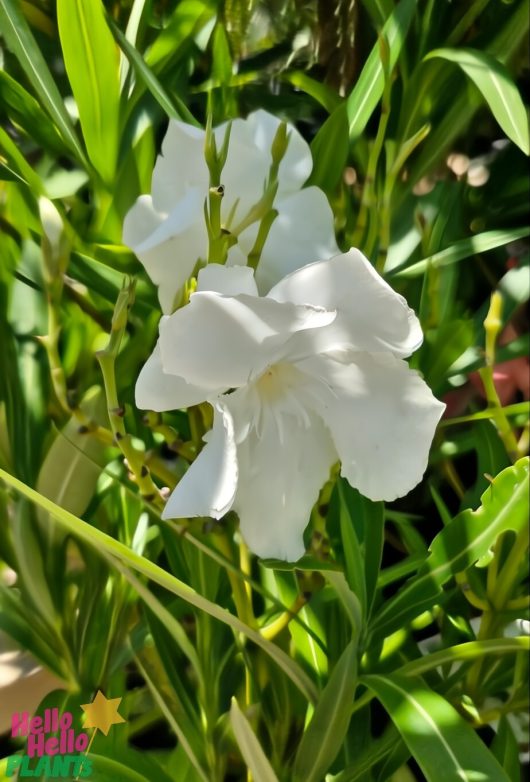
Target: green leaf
181, 725
504, 506
362, 526
70, 471
457, 115
445, 747
460, 653
184, 23
481, 243
369, 88
323, 94
347, 122
173, 107
92, 64
115, 550
108, 770
496, 85
20, 40
25, 111
330, 150
19, 165
325, 733
506, 749
442, 347
379, 10
250, 747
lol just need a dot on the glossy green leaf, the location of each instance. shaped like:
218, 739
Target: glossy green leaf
481, 243
465, 101
173, 107
112, 548
20, 40
460, 653
348, 121
442, 743
321, 93
505, 747
184, 23
362, 528
250, 747
25, 111
369, 88
330, 150
495, 83
92, 64
325, 733
504, 506
442, 347
19, 165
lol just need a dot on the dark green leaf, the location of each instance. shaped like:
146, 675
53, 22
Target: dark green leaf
325, 733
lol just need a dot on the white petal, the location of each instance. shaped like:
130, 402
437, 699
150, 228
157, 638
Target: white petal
245, 170
141, 221
168, 247
282, 469
297, 162
370, 315
301, 233
217, 341
382, 417
159, 391
185, 213
228, 280
209, 486
180, 165
249, 160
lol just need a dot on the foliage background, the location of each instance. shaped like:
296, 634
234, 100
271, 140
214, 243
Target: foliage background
373, 659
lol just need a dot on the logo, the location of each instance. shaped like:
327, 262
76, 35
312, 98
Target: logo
54, 747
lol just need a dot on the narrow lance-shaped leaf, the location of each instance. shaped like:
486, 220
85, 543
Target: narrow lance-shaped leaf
114, 549
504, 506
498, 90
20, 40
481, 243
445, 747
173, 107
325, 733
349, 119
251, 749
92, 64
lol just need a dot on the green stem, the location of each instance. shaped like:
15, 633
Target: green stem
107, 361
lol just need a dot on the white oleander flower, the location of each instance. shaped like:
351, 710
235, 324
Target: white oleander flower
167, 229
309, 374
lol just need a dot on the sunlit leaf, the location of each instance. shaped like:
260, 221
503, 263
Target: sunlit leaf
496, 85
443, 744
504, 506
91, 60
23, 45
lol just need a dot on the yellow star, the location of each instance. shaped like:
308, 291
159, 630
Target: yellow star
102, 713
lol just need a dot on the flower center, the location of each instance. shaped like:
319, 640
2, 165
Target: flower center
277, 389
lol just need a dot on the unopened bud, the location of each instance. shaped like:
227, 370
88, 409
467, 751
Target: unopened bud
279, 144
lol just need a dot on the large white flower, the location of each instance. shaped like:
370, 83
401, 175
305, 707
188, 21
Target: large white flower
167, 230
309, 374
